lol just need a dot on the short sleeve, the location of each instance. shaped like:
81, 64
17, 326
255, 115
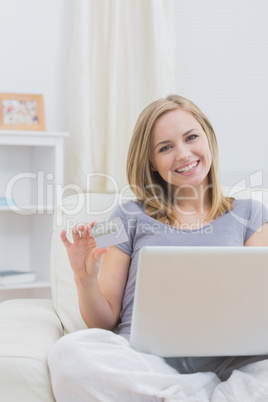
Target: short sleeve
128, 219
258, 216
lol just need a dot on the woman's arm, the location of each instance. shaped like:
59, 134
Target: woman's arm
100, 300
100, 296
258, 238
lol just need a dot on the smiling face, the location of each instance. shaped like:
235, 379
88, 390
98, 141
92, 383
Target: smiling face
179, 150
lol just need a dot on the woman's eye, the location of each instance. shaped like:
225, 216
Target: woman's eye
191, 137
165, 148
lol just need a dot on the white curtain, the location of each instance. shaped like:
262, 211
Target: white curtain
123, 57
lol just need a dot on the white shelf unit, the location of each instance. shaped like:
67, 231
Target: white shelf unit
31, 174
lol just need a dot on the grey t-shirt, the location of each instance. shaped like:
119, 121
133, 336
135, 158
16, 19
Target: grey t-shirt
230, 229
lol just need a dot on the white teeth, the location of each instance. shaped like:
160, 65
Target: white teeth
187, 168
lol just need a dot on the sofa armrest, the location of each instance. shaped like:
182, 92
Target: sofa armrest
28, 330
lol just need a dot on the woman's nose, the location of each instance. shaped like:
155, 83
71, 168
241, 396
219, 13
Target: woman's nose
182, 152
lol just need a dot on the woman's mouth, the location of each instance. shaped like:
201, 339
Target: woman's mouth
189, 168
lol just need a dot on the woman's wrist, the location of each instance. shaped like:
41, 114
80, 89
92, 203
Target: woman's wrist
84, 279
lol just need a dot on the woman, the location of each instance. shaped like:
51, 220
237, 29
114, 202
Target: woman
173, 170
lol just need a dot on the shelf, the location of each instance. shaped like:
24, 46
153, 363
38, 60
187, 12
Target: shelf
31, 175
35, 138
28, 285
33, 133
28, 210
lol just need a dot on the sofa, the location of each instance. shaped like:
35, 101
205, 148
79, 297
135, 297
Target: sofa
29, 327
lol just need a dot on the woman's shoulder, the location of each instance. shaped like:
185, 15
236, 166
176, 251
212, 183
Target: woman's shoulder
247, 204
250, 209
250, 214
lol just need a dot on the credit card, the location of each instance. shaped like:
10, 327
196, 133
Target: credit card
109, 233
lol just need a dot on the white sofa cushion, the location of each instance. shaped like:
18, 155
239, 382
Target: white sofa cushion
28, 330
241, 193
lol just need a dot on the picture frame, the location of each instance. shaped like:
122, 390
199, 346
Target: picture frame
21, 112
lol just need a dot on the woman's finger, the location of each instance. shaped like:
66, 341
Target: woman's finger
64, 239
75, 233
83, 229
97, 253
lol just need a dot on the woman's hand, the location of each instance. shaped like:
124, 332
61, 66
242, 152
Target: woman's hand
84, 256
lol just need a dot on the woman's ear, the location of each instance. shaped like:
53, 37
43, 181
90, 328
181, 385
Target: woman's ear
152, 168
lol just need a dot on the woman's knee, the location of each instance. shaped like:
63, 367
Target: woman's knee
61, 358
80, 350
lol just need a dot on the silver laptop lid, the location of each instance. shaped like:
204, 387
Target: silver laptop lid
201, 301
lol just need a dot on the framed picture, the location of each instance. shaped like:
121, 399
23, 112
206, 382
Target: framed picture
21, 112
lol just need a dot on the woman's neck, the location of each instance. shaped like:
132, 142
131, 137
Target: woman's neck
192, 205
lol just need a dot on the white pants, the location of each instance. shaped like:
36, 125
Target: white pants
98, 365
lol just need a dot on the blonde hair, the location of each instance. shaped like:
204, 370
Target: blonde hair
148, 185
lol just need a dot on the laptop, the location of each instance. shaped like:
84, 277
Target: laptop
201, 301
